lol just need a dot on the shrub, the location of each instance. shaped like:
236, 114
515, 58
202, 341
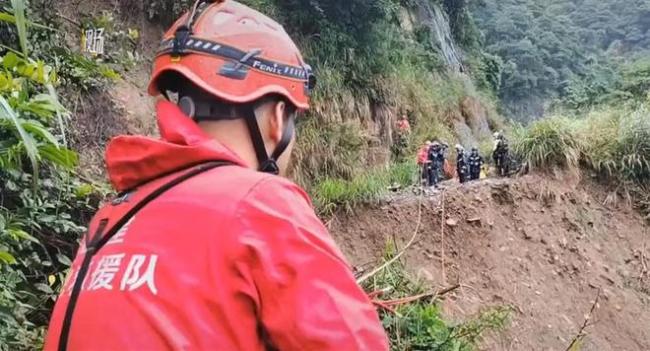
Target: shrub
613, 141
634, 145
547, 143
420, 325
42, 200
617, 142
331, 193
327, 150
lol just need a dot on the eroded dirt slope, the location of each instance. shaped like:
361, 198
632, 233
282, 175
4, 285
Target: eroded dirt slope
545, 247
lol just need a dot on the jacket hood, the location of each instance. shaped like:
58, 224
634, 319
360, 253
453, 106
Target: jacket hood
134, 160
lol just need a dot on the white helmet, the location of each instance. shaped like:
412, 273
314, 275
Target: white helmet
496, 135
459, 147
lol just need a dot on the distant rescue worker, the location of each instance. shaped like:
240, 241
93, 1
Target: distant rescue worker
436, 161
402, 138
461, 164
475, 163
500, 154
445, 166
444, 146
403, 126
423, 162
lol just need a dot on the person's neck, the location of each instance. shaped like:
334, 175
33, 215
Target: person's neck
234, 135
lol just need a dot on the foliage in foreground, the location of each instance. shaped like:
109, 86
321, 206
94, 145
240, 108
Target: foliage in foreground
42, 202
420, 325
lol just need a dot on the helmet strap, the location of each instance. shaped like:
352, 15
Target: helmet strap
267, 164
184, 31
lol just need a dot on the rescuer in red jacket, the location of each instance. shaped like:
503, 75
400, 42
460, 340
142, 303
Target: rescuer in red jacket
205, 248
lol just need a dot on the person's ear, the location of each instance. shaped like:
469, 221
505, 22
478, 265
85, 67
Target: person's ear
277, 121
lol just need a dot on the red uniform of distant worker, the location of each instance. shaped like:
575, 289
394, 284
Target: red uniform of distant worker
225, 257
403, 125
423, 153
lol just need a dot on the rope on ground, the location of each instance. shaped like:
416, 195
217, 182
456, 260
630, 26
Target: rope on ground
389, 305
370, 274
644, 265
442, 239
575, 343
409, 299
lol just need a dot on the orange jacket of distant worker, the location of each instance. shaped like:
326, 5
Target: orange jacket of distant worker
423, 154
403, 126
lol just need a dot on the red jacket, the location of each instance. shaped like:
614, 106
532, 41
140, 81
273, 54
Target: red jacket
403, 126
423, 155
213, 263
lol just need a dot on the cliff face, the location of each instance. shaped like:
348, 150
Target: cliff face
440, 103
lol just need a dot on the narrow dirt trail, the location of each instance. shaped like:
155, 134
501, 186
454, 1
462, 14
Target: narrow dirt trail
543, 246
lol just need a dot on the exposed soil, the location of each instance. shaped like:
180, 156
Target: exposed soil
544, 247
123, 108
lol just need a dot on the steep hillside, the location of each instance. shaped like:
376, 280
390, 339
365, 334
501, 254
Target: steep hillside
543, 246
374, 63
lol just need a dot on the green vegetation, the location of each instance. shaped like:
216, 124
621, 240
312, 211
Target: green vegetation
330, 194
557, 48
43, 203
616, 142
610, 142
419, 325
610, 135
547, 143
613, 142
629, 81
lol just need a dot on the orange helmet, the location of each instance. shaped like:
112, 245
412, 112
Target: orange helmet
235, 53
238, 55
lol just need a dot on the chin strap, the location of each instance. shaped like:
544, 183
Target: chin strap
267, 164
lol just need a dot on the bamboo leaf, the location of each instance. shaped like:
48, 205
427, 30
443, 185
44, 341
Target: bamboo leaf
59, 156
6, 257
38, 130
21, 23
59, 112
42, 105
29, 144
21, 234
9, 18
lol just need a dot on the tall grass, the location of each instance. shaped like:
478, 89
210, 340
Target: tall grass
548, 142
332, 193
327, 150
614, 142
634, 145
19, 7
